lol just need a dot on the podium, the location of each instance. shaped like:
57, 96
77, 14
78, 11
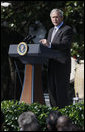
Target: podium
36, 55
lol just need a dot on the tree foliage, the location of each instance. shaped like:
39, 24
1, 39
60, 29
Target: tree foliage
21, 14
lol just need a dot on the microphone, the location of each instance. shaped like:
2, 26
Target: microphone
29, 37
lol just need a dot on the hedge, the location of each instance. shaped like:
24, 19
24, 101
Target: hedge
12, 109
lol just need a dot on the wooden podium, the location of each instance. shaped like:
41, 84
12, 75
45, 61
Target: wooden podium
32, 90
33, 60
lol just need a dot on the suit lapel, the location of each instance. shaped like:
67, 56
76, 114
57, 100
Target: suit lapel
57, 33
49, 37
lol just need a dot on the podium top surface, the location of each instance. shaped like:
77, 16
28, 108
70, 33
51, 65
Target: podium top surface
37, 53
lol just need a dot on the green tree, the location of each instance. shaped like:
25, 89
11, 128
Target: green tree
21, 14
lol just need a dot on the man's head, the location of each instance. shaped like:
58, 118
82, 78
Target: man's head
28, 122
63, 123
56, 16
52, 120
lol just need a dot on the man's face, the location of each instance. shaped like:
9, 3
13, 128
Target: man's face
56, 18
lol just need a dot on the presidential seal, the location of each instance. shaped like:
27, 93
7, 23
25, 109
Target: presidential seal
22, 48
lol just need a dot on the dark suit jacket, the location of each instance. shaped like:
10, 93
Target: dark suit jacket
62, 41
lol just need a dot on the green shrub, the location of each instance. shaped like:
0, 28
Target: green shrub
75, 113
12, 110
77, 50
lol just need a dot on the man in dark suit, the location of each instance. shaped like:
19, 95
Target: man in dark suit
59, 38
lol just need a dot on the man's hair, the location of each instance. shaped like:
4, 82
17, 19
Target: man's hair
57, 10
52, 119
28, 122
64, 123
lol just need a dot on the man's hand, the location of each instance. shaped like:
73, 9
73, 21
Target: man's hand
44, 42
